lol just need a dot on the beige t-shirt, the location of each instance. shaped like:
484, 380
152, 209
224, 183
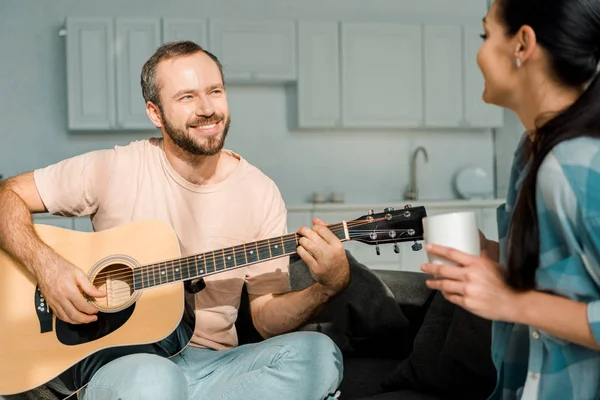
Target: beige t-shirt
136, 181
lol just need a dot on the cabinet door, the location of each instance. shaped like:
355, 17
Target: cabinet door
137, 40
255, 51
382, 75
176, 29
318, 75
90, 73
478, 114
443, 76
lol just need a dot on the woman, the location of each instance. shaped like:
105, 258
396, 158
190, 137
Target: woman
542, 286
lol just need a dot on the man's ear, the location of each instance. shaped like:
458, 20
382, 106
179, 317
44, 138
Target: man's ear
154, 114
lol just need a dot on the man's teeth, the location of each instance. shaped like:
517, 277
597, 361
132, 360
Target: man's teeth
206, 126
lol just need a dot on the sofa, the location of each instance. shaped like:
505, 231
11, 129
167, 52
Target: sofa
401, 341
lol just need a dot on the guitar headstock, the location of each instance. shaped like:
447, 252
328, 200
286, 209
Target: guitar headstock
389, 226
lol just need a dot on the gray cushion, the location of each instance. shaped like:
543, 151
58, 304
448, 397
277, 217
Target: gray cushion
366, 308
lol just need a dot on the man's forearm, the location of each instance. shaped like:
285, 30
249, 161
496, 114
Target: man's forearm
286, 312
17, 234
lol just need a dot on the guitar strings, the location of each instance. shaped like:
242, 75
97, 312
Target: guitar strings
129, 282
218, 253
187, 261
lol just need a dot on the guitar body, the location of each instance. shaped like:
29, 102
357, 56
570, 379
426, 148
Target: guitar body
37, 347
140, 267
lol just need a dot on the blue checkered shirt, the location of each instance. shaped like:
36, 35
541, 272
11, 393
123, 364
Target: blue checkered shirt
532, 364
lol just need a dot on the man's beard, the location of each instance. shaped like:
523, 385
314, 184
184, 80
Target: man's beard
183, 140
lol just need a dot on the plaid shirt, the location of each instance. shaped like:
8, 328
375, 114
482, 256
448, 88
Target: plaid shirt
532, 364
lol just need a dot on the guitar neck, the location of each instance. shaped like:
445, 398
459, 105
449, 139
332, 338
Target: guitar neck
199, 265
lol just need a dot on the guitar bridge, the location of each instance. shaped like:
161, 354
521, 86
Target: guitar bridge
43, 311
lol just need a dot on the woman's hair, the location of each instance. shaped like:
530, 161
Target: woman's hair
569, 32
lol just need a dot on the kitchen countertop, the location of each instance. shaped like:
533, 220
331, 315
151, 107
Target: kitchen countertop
396, 204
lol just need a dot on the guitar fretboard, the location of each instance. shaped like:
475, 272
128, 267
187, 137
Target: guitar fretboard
211, 262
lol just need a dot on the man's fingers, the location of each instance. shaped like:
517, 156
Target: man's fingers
81, 304
318, 221
88, 287
311, 235
326, 234
310, 247
307, 258
77, 316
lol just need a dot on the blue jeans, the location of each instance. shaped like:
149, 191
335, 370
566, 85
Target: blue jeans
294, 366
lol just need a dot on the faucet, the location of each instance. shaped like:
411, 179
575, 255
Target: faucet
412, 191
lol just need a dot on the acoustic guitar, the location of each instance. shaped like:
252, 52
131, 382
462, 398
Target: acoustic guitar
140, 267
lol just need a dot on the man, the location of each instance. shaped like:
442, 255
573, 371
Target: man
213, 198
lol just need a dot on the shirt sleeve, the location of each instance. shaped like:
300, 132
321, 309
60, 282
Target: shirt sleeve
570, 189
271, 276
74, 187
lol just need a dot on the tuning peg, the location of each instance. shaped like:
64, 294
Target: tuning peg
388, 209
377, 249
396, 248
371, 212
417, 246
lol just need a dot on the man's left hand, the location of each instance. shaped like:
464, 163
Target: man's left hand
477, 284
325, 257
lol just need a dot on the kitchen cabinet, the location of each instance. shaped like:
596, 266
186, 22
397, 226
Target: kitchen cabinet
478, 114
136, 41
104, 62
444, 79
176, 29
318, 88
90, 52
254, 51
382, 73
453, 82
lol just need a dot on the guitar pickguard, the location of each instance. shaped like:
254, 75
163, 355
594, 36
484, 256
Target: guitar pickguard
72, 335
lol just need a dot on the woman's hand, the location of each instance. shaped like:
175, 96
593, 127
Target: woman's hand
477, 284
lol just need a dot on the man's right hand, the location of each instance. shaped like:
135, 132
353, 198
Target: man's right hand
63, 285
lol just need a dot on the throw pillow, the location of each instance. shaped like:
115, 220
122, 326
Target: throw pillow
365, 309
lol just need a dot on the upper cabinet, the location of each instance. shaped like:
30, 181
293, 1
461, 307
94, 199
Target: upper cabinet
444, 83
177, 29
382, 72
347, 74
104, 63
477, 113
254, 51
453, 82
318, 87
137, 39
91, 73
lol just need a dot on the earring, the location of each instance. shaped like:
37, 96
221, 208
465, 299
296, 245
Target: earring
518, 62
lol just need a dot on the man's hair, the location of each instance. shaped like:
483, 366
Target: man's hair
150, 87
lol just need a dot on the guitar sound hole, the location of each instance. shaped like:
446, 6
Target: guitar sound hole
117, 281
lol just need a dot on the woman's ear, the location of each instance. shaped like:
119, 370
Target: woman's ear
525, 44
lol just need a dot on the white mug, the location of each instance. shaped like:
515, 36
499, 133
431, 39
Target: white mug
456, 230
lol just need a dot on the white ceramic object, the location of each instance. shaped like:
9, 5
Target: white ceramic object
474, 183
456, 230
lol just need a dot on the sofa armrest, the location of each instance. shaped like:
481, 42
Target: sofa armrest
408, 288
